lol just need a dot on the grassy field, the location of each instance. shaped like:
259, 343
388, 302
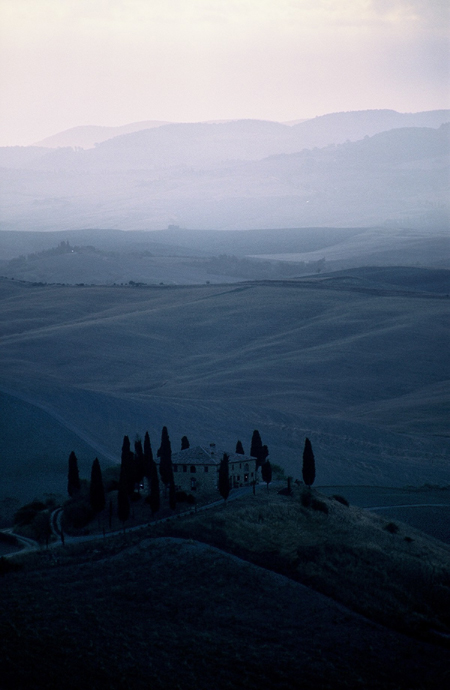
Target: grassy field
384, 570
362, 373
150, 608
426, 508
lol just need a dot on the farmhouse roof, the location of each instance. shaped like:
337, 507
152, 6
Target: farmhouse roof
198, 455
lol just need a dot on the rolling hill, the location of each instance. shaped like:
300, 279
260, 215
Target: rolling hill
362, 369
238, 175
87, 136
200, 610
181, 257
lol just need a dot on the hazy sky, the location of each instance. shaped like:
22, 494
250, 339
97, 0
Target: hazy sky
110, 62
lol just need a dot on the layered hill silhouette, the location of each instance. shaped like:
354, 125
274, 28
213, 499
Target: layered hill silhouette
239, 174
89, 136
182, 257
334, 128
212, 144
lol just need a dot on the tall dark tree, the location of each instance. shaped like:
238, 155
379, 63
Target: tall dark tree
266, 473
96, 488
155, 498
123, 503
264, 454
224, 477
148, 458
309, 466
125, 448
185, 443
165, 458
127, 467
73, 479
256, 448
139, 462
239, 448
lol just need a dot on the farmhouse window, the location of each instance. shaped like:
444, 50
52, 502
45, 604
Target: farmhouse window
206, 468
175, 468
193, 469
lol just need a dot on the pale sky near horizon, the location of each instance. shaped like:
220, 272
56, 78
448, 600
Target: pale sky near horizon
65, 63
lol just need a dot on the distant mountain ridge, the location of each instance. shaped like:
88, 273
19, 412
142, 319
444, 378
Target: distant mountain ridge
213, 144
318, 131
239, 175
88, 136
353, 125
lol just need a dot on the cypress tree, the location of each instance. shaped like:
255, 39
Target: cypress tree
138, 462
155, 498
185, 443
266, 473
73, 480
96, 489
224, 477
148, 458
256, 448
123, 504
127, 469
239, 448
309, 466
125, 448
165, 458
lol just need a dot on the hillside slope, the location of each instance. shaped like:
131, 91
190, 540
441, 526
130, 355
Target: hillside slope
200, 611
363, 373
171, 612
237, 175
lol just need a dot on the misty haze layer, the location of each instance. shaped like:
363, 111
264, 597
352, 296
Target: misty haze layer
347, 169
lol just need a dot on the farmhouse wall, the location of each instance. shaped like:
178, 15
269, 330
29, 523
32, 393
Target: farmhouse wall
194, 478
196, 470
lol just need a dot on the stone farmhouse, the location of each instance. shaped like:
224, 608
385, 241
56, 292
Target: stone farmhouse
196, 469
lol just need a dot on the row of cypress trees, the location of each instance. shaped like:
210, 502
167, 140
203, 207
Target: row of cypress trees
134, 467
140, 464
261, 452
96, 488
258, 451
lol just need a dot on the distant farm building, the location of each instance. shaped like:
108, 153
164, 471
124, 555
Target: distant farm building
196, 469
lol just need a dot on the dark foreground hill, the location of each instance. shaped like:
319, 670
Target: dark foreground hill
360, 370
138, 611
